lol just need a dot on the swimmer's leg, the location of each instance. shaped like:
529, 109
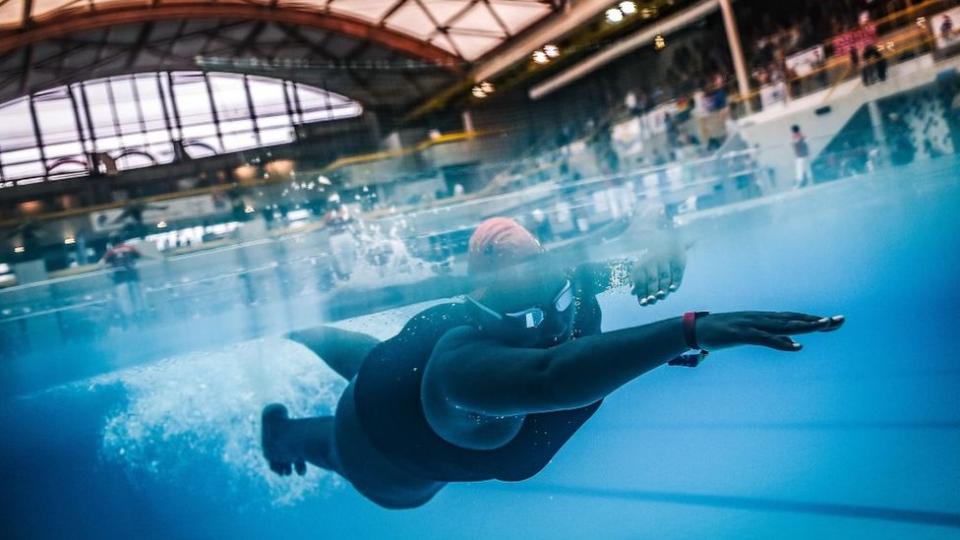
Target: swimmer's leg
288, 444
342, 350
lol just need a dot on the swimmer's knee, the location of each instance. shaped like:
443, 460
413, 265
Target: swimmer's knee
342, 350
308, 336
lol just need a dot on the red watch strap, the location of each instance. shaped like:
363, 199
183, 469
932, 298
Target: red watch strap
690, 328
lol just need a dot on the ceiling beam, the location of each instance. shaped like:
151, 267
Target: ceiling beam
546, 32
107, 16
644, 37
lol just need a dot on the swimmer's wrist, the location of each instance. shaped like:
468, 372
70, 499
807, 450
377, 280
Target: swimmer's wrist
695, 353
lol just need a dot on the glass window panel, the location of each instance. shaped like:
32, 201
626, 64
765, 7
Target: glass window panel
108, 143
318, 114
276, 136
68, 168
267, 97
132, 161
230, 96
21, 163
126, 106
150, 104
193, 102
75, 89
273, 121
55, 117
13, 157
134, 140
313, 103
18, 128
202, 147
168, 99
232, 127
29, 179
163, 153
158, 136
100, 113
239, 141
145, 127
53, 151
196, 132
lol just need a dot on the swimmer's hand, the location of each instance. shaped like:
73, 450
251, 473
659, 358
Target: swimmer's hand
765, 328
659, 271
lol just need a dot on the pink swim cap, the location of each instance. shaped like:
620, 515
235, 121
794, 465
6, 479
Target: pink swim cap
500, 242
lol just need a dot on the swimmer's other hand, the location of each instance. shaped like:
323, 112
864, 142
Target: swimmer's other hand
659, 271
765, 328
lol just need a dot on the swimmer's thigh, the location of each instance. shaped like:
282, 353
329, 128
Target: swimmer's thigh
342, 350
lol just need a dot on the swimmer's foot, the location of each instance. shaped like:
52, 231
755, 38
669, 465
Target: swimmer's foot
276, 447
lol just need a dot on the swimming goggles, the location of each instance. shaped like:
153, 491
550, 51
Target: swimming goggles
532, 317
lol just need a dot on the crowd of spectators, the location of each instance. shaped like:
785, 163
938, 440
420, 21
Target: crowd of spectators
771, 36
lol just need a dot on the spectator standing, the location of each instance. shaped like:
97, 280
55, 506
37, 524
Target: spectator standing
801, 152
122, 259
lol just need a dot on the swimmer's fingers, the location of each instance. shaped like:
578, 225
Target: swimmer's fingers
800, 323
664, 280
780, 343
791, 327
676, 274
653, 283
835, 322
300, 467
644, 284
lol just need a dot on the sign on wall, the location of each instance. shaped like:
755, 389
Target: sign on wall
854, 39
804, 62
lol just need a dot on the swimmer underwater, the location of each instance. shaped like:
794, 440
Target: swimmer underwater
491, 387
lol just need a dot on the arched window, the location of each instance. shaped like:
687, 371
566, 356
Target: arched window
136, 120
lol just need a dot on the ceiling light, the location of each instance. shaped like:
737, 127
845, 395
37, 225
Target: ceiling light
248, 210
614, 15
659, 42
162, 225
19, 249
628, 8
487, 87
551, 50
478, 92
540, 57
646, 13
69, 240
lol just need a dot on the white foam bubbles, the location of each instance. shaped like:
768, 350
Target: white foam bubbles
205, 407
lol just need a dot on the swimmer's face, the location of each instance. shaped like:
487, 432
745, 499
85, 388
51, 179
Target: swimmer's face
535, 286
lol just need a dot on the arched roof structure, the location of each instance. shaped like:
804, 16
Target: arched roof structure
390, 53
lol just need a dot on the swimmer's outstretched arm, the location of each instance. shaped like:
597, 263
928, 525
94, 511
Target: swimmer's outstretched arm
486, 377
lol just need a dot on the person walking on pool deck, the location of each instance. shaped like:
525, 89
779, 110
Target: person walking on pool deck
492, 387
801, 153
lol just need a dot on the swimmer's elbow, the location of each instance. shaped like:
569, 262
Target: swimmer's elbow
563, 384
558, 387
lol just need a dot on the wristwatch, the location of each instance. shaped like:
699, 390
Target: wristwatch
696, 354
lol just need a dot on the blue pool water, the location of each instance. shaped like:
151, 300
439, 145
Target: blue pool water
857, 436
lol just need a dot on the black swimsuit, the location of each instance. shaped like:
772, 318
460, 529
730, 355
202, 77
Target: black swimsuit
388, 407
